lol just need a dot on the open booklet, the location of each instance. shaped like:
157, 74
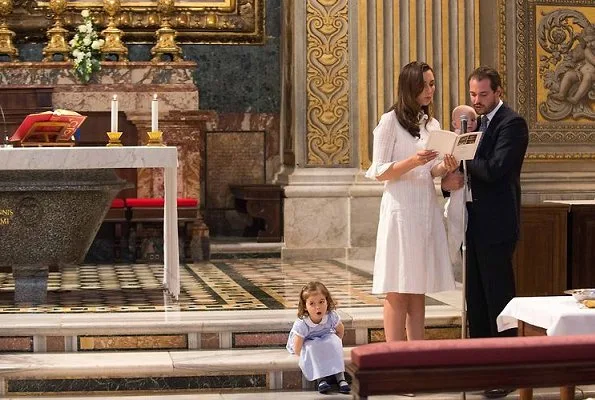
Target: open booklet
461, 146
57, 125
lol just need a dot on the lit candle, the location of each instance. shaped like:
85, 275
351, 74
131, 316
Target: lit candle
154, 114
114, 127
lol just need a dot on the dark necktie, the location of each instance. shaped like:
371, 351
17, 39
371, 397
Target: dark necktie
484, 123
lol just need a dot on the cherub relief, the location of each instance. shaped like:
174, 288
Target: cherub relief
568, 73
583, 73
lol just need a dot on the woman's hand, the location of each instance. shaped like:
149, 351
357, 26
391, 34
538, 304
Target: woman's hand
423, 157
450, 163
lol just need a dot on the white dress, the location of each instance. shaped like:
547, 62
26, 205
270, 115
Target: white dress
411, 246
322, 351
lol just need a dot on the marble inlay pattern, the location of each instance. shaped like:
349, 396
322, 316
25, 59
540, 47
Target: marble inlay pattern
86, 386
112, 73
259, 339
376, 335
16, 344
136, 342
55, 344
232, 284
209, 341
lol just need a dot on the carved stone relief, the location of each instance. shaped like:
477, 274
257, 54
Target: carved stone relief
554, 81
567, 68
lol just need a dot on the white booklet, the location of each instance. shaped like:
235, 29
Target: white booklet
461, 146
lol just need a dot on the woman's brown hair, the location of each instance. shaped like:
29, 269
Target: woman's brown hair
411, 84
311, 288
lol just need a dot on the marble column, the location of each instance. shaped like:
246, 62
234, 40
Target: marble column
329, 209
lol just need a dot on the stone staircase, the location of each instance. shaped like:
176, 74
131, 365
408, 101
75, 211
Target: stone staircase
171, 351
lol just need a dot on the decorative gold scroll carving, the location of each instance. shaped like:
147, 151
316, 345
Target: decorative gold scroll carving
327, 67
574, 136
560, 156
548, 34
215, 21
502, 62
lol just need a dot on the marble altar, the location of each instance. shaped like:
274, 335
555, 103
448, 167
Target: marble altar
98, 158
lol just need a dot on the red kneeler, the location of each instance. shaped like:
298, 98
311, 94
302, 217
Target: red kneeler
150, 210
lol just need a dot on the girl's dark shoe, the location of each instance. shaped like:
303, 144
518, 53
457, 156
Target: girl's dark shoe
323, 387
344, 387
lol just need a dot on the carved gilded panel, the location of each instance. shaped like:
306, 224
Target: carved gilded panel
555, 82
204, 21
327, 66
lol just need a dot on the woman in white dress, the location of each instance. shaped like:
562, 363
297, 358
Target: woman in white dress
411, 247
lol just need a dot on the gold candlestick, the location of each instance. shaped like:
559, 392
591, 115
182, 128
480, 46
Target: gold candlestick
114, 139
113, 36
57, 45
155, 139
166, 36
6, 35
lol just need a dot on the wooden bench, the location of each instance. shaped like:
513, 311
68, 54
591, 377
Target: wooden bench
473, 364
145, 211
265, 202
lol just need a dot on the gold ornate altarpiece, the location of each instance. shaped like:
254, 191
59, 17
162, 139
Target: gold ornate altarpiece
201, 21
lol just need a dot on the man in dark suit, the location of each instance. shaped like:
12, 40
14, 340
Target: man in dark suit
494, 212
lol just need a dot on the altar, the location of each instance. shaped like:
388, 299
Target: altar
99, 158
135, 83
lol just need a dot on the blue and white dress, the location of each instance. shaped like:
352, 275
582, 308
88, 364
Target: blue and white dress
322, 351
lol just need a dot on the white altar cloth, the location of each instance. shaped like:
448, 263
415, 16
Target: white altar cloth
558, 315
56, 158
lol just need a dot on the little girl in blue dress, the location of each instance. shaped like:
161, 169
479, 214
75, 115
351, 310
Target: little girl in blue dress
316, 337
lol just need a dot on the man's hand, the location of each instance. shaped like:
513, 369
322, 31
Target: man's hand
452, 181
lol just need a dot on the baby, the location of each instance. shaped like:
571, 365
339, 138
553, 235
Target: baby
464, 109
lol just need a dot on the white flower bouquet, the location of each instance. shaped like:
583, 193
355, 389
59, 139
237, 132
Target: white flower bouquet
86, 46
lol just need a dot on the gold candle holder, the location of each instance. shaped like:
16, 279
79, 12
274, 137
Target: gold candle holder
114, 139
57, 44
155, 139
166, 36
112, 35
6, 35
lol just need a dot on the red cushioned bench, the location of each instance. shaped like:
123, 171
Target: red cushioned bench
455, 365
147, 210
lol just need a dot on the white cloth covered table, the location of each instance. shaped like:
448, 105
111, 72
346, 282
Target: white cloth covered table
558, 315
58, 158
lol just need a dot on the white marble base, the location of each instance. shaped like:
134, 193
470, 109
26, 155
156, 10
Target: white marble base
329, 212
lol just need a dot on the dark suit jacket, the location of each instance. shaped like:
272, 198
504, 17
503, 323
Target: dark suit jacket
495, 179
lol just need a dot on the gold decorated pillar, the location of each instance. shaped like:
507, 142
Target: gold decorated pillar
318, 142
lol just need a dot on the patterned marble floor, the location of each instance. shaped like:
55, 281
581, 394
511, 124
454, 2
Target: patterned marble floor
227, 284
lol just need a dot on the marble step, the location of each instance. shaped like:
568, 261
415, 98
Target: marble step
538, 394
221, 248
175, 330
126, 372
218, 374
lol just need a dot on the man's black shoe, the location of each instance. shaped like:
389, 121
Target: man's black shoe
497, 393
